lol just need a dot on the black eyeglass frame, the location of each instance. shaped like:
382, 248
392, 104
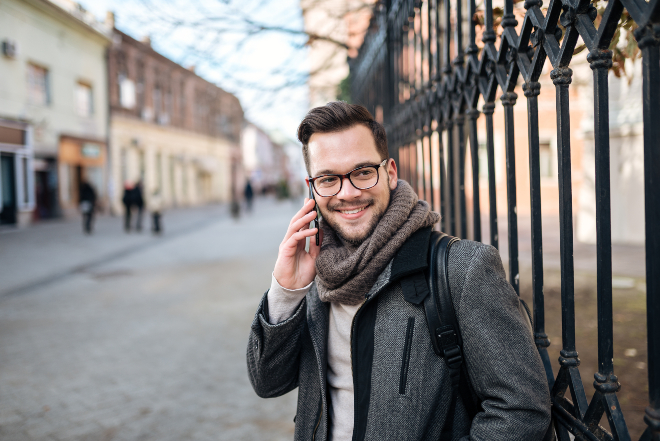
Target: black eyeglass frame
348, 175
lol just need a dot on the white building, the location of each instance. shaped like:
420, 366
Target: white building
264, 161
53, 107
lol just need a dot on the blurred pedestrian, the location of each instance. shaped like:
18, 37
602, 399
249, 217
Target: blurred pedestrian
139, 203
127, 200
249, 195
156, 208
87, 205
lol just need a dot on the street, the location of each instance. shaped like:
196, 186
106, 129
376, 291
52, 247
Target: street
133, 337
119, 336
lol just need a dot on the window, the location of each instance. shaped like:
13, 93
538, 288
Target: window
123, 165
11, 135
168, 109
139, 87
223, 125
83, 99
546, 160
126, 92
158, 105
38, 90
182, 103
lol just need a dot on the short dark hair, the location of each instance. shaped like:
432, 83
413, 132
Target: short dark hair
335, 117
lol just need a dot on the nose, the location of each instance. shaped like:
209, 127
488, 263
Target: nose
348, 191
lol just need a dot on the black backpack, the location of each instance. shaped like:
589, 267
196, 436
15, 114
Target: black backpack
442, 323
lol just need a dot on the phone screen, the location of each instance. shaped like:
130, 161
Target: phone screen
316, 220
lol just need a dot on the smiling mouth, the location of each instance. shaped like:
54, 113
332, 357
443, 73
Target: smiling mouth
353, 211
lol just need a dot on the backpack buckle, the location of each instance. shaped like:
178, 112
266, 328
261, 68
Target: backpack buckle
447, 340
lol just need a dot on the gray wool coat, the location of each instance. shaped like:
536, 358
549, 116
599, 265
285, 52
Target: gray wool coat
402, 388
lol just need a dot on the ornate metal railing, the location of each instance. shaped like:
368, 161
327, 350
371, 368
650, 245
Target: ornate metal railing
406, 71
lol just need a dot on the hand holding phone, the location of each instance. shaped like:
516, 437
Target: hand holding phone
296, 264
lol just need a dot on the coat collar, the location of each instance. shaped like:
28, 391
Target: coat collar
412, 256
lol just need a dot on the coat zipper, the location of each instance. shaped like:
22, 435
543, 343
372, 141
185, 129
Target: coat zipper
318, 423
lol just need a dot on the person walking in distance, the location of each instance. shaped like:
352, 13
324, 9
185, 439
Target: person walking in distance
87, 205
249, 195
156, 208
347, 320
128, 201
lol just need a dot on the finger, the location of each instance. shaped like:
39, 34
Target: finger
306, 208
299, 236
300, 224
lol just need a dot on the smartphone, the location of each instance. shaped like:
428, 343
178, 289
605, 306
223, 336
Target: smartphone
316, 219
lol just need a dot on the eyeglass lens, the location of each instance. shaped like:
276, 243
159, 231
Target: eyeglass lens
361, 179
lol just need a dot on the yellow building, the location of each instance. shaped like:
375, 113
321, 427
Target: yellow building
53, 107
186, 168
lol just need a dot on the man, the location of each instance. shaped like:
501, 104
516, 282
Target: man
249, 194
87, 205
128, 201
336, 325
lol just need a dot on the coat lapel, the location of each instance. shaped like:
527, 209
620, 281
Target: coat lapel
412, 257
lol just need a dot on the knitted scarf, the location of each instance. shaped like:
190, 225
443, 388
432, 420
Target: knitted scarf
344, 273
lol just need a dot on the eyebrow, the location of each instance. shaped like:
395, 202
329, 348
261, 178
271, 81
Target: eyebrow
332, 172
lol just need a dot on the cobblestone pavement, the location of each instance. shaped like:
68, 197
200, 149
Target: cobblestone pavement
130, 337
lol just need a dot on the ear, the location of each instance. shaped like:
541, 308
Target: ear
392, 174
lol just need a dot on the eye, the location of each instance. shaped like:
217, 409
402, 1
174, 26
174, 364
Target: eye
365, 172
326, 180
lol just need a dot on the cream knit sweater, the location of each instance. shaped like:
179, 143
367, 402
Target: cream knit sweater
282, 303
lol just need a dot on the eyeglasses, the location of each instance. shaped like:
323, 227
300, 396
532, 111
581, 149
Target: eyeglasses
362, 178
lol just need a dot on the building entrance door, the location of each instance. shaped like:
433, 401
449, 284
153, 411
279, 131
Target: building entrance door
8, 189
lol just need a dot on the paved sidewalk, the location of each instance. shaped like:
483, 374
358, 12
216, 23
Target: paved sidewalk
49, 250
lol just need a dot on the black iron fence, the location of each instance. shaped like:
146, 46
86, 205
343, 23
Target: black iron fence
415, 70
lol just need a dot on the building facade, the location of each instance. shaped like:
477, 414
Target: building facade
53, 107
171, 130
264, 161
271, 160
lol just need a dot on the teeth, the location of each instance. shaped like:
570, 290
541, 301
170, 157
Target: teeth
357, 210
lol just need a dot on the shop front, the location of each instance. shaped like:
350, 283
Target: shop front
81, 160
16, 176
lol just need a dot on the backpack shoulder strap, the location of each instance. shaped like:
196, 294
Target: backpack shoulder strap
443, 326
440, 315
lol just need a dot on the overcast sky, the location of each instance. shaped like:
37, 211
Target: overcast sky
247, 71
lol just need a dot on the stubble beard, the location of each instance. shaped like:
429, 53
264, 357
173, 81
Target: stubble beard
354, 240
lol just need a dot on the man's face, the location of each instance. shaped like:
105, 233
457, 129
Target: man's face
339, 153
